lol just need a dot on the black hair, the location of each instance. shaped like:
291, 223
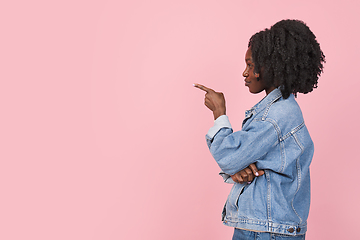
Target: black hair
288, 56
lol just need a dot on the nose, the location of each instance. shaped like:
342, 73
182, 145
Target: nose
245, 73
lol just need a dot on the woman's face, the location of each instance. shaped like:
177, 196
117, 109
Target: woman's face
251, 78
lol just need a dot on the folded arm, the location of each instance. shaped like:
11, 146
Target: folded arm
234, 151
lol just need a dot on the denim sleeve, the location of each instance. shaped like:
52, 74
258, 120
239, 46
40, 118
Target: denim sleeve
234, 151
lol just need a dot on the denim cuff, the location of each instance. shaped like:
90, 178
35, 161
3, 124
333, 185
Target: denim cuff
227, 178
220, 122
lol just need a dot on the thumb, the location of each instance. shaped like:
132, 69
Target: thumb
261, 172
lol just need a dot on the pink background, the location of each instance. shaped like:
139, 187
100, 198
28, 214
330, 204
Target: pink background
103, 136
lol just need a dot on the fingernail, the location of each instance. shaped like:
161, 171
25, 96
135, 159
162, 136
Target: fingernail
193, 84
249, 182
257, 174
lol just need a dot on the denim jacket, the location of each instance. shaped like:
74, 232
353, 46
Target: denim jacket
274, 137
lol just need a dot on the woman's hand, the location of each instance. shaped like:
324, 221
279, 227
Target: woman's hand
215, 101
247, 174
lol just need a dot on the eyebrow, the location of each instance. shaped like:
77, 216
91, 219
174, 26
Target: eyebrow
248, 59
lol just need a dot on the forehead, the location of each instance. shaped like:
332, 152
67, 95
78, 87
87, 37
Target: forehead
248, 55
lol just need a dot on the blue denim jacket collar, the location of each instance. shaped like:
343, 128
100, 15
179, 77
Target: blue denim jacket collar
270, 98
266, 101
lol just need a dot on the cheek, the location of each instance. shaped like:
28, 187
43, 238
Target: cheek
257, 86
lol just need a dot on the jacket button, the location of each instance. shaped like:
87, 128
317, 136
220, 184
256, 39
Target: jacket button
298, 229
290, 230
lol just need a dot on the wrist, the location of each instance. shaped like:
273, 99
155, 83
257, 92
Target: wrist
219, 113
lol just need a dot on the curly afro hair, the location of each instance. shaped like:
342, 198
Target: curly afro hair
288, 56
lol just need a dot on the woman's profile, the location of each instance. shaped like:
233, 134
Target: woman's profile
272, 202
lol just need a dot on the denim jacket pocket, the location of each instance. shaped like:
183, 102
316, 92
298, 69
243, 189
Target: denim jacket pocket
233, 199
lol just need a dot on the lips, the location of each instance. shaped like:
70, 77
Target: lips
247, 83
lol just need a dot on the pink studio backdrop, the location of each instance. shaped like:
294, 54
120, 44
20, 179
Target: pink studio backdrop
103, 136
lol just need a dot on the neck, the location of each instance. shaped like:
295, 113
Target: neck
269, 90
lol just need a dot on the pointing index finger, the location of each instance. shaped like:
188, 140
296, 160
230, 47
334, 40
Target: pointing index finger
202, 87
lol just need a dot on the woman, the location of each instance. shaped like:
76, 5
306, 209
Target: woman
282, 61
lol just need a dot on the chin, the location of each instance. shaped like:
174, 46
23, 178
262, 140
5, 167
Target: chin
255, 91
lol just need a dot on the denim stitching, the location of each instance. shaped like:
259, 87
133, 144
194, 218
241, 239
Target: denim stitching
277, 131
292, 131
299, 174
269, 198
283, 157
282, 149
